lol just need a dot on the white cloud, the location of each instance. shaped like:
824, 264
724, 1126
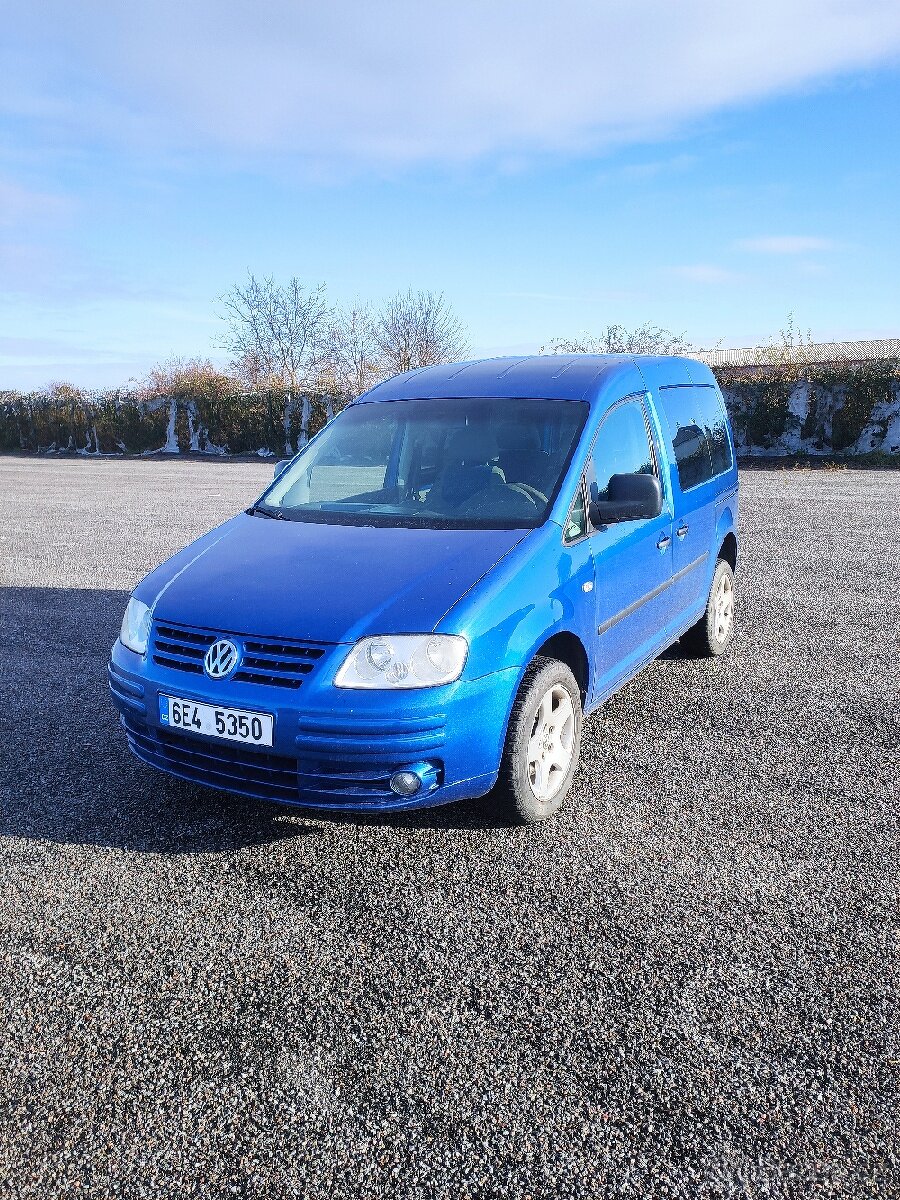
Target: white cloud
705, 273
21, 205
29, 350
642, 172
405, 82
789, 244
592, 297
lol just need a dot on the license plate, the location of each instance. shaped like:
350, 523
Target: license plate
231, 724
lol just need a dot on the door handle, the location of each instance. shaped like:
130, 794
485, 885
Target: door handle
681, 532
664, 542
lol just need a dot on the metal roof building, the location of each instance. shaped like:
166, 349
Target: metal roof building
821, 352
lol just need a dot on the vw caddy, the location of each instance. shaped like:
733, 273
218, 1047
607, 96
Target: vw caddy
429, 597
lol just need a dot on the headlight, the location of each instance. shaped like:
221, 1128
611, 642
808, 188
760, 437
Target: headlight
135, 631
418, 660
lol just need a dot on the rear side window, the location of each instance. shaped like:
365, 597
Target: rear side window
711, 419
699, 433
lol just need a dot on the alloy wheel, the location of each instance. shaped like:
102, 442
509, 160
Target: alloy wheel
724, 607
552, 743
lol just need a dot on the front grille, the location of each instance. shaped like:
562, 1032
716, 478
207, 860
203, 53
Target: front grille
313, 782
258, 773
342, 786
275, 662
125, 688
181, 649
395, 738
280, 664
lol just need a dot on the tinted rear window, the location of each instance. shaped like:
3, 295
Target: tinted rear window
697, 427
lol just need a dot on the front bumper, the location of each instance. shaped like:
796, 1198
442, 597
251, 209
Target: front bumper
332, 749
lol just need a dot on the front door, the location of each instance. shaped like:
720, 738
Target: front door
633, 559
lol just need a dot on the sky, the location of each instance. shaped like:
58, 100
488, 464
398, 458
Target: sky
551, 169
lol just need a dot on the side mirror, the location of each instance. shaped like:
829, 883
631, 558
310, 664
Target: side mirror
281, 467
631, 498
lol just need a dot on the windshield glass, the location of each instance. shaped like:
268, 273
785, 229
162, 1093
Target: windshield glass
459, 464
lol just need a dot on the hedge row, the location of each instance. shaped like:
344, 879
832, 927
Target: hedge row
823, 409
820, 407
227, 421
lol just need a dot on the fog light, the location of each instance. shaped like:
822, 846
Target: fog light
405, 783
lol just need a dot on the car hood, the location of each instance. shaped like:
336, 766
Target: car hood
327, 583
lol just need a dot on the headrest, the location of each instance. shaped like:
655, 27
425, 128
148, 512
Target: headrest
472, 446
518, 437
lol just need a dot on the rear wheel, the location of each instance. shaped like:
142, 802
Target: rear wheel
713, 633
543, 742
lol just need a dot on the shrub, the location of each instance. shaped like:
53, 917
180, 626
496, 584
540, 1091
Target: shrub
758, 401
215, 413
843, 398
859, 388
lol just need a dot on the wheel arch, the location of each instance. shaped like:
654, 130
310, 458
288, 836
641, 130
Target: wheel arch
568, 648
565, 646
728, 550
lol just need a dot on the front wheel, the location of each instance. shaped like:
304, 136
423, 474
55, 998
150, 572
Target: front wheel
713, 633
543, 742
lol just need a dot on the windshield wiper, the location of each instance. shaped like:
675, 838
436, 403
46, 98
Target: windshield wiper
257, 510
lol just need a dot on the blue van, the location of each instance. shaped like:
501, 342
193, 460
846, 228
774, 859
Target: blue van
430, 596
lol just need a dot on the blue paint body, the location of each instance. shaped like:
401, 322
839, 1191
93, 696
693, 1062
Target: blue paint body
316, 589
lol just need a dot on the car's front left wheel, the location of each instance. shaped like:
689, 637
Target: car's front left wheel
543, 742
714, 632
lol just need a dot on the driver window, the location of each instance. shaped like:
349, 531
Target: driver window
622, 447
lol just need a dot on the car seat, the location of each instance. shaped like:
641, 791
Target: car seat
521, 457
469, 467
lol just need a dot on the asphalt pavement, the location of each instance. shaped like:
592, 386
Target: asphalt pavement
686, 985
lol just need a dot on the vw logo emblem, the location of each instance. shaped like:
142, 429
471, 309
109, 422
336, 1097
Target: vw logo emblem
221, 659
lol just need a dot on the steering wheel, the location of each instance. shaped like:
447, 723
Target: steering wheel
532, 493
473, 503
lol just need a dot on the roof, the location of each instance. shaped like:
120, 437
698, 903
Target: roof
545, 376
816, 352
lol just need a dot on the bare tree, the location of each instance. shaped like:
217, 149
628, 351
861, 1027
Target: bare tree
418, 329
616, 339
353, 356
277, 335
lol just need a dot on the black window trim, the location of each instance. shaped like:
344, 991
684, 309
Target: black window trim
579, 492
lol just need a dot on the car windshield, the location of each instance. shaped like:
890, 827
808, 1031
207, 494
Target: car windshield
449, 464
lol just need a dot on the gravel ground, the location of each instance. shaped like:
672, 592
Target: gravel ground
685, 986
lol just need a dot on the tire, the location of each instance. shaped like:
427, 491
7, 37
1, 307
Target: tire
543, 742
714, 632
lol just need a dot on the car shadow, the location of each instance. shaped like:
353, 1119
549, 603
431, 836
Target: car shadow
483, 813
678, 650
68, 776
